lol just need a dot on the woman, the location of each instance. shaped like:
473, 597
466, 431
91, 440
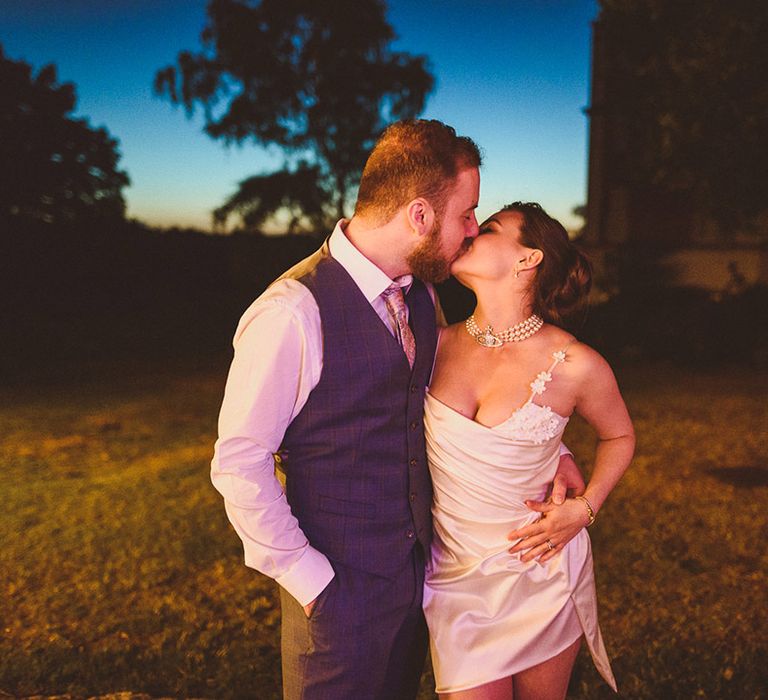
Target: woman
507, 621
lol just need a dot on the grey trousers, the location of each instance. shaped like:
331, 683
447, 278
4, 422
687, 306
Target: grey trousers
365, 639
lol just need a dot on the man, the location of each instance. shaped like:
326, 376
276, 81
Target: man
328, 379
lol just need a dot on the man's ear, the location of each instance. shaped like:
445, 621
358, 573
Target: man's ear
420, 216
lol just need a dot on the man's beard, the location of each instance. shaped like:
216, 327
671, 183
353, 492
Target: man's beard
427, 261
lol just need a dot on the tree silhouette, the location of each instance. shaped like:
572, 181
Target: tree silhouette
53, 168
297, 192
688, 83
316, 79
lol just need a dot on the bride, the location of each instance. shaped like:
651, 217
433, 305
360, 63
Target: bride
506, 619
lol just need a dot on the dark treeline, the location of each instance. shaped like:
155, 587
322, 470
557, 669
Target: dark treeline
78, 298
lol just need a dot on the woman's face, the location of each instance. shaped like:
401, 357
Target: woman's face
496, 250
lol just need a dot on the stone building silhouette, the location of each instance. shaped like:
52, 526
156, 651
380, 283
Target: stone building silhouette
618, 213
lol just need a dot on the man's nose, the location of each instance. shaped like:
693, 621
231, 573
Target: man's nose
474, 229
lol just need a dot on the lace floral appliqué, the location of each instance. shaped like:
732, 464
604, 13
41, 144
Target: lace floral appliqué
535, 423
539, 384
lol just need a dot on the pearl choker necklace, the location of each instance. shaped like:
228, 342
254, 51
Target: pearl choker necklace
514, 334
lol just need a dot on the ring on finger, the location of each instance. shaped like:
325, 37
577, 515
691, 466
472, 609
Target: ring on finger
550, 545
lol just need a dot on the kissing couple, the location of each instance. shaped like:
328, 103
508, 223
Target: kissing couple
415, 458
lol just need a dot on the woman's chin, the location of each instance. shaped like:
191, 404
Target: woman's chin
458, 267
459, 274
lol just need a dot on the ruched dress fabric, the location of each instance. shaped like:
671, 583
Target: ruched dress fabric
489, 614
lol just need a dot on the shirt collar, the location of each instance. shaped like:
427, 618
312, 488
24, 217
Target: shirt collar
371, 280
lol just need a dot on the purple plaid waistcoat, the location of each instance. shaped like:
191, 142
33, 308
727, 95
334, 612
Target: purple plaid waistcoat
354, 457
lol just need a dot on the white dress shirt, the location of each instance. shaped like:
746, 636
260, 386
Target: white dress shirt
278, 361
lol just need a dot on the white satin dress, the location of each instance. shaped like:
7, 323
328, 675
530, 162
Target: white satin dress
489, 614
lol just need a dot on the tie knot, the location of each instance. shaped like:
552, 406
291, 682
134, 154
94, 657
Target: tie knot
393, 288
393, 296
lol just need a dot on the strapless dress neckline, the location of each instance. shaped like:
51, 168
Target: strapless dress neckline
542, 407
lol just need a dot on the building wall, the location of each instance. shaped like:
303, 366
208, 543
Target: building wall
719, 270
648, 217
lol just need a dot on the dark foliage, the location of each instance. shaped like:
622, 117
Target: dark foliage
316, 79
688, 327
75, 298
648, 318
689, 90
53, 168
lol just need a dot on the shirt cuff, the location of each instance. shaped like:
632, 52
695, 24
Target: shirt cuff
564, 450
308, 577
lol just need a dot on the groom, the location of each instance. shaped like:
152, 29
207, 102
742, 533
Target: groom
328, 379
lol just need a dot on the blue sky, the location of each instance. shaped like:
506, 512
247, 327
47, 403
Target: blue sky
513, 75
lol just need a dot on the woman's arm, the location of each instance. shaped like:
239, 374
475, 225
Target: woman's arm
601, 405
599, 402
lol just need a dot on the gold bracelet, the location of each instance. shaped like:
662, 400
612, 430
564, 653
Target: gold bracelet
590, 509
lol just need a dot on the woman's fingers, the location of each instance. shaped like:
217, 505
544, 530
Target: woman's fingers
539, 546
529, 543
556, 525
527, 531
532, 536
549, 554
533, 528
540, 552
524, 543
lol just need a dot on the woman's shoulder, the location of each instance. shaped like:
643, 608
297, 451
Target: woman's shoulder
584, 361
579, 357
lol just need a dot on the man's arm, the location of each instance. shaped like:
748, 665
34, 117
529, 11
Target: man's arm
567, 478
271, 375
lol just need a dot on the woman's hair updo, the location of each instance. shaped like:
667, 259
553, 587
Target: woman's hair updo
564, 276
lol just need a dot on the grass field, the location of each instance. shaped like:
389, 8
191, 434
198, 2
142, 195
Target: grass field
119, 571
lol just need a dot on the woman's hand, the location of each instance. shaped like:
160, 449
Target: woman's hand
558, 525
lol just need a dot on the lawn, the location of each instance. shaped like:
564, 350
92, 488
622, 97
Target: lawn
119, 570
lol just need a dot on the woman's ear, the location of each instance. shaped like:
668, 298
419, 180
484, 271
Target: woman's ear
420, 216
534, 258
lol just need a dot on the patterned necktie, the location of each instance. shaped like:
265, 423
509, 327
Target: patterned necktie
393, 296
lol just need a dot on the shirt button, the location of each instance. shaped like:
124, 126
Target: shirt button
414, 425
412, 497
413, 462
410, 534
414, 388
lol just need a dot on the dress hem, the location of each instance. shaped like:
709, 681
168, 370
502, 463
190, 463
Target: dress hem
513, 672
